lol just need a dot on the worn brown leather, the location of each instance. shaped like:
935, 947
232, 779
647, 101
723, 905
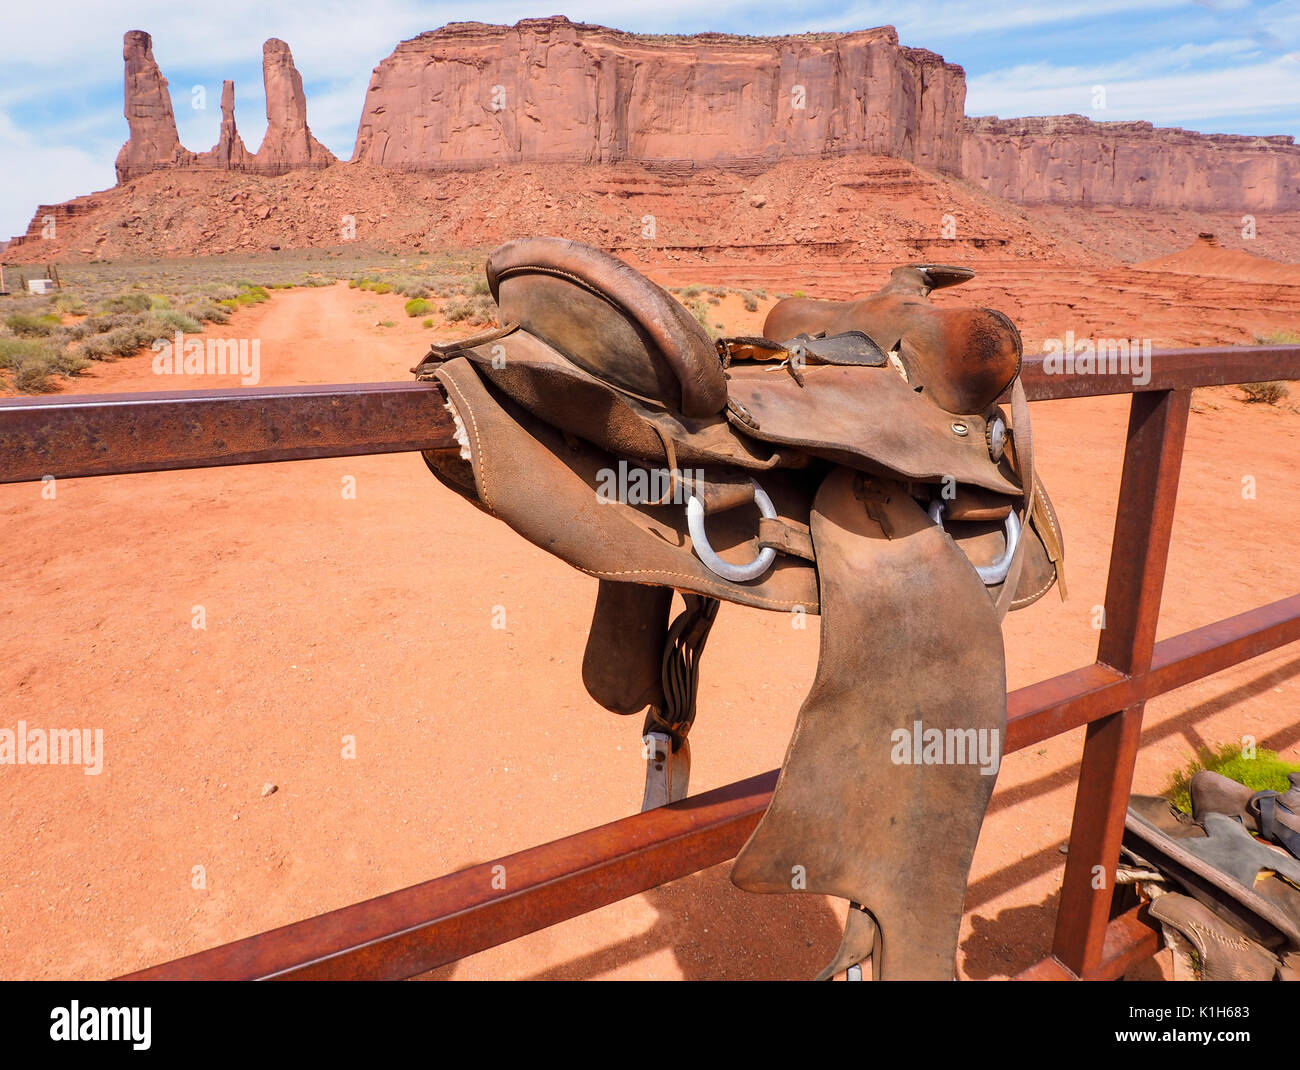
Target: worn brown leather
655, 347
1223, 953
845, 819
1265, 907
598, 370
963, 358
1214, 793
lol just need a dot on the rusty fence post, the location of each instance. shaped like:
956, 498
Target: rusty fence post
1138, 555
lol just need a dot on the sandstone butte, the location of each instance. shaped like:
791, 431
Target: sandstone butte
154, 145
471, 95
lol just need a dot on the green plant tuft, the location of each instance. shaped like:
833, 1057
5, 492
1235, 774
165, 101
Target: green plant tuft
1264, 772
127, 303
27, 325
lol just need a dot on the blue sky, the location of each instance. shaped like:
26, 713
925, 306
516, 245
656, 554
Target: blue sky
1217, 66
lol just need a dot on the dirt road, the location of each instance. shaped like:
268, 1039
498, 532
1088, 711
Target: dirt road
337, 625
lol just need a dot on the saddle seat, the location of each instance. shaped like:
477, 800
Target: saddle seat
590, 348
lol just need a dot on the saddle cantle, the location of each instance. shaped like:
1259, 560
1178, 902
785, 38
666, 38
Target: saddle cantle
854, 462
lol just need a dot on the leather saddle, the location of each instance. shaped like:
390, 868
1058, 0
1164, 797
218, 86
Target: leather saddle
856, 461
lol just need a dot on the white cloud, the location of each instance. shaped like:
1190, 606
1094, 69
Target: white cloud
1267, 87
66, 170
916, 22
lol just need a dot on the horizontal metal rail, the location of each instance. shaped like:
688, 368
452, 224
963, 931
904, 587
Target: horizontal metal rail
112, 434
409, 932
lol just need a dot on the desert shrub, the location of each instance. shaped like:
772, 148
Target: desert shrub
480, 287
387, 323
127, 303
100, 323
692, 292
160, 301
426, 323
122, 341
1278, 338
203, 309
176, 321
69, 303
249, 295
751, 303
32, 362
28, 325
381, 288
703, 315
221, 291
474, 310
14, 349
1264, 393
418, 306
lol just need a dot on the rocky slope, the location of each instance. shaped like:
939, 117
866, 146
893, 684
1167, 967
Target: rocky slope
857, 207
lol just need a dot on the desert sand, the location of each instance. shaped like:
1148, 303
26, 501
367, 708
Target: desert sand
329, 617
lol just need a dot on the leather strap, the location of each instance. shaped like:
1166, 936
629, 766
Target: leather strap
1024, 442
681, 669
1270, 828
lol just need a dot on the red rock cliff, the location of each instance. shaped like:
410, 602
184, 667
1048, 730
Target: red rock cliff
153, 144
1068, 159
229, 153
552, 90
148, 109
288, 144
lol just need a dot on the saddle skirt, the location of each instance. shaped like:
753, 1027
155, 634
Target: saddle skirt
868, 475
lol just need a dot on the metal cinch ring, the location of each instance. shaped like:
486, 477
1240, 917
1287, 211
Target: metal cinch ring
995, 571
706, 553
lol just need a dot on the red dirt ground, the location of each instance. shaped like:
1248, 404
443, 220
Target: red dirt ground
371, 618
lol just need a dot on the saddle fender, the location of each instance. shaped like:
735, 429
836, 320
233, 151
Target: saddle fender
896, 748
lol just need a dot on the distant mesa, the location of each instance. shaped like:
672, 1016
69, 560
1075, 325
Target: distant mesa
472, 95
552, 91
153, 144
1069, 159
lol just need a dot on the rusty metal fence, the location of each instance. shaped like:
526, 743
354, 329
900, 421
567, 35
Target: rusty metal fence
416, 929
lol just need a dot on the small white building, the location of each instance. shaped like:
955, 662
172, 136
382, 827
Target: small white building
40, 286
